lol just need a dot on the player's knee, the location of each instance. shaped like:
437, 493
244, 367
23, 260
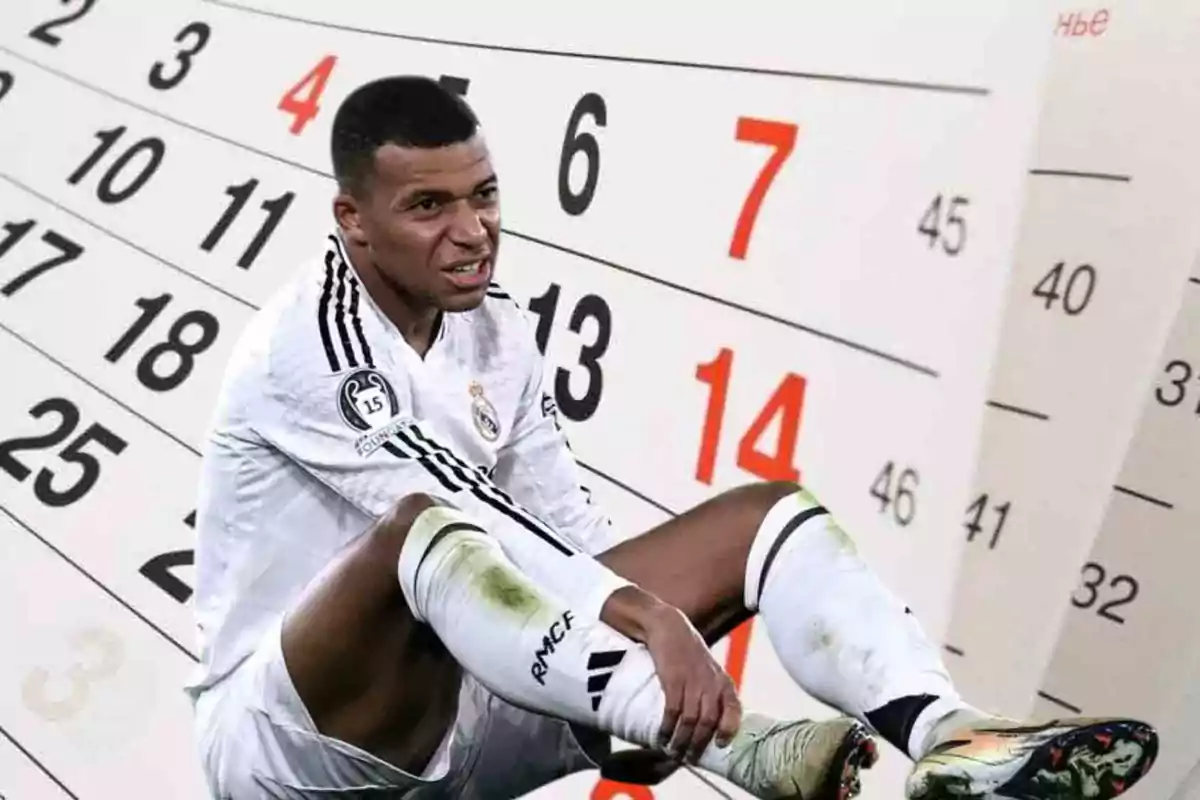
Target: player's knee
785, 504
407, 515
782, 500
399, 519
783, 511
387, 536
427, 531
764, 495
417, 523
752, 502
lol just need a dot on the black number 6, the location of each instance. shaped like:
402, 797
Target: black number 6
575, 142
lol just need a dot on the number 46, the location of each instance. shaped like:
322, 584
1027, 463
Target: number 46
893, 488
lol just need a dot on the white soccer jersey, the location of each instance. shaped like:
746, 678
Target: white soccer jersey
327, 416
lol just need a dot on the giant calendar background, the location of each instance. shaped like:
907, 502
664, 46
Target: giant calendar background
866, 246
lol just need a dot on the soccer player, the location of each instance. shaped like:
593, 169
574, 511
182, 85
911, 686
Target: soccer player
403, 590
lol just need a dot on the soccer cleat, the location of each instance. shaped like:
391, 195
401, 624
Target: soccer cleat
800, 760
1068, 759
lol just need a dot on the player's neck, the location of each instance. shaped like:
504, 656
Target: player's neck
419, 327
417, 322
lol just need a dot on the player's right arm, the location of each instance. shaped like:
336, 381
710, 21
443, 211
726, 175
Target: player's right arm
356, 431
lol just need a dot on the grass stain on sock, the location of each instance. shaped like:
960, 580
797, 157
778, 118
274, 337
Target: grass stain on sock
498, 585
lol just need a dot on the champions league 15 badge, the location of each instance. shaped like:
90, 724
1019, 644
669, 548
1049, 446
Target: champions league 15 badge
483, 414
367, 402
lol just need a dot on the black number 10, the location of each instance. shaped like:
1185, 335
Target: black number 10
106, 189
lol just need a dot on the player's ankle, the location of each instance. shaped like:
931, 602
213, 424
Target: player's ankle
772, 758
942, 723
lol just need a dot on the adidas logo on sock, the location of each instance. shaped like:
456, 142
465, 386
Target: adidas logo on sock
600, 671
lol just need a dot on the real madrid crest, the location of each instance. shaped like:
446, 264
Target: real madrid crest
483, 414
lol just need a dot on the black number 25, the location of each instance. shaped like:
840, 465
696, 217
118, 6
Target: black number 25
86, 467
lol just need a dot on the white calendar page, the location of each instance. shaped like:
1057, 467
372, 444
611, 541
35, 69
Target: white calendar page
1107, 238
1176, 773
835, 325
1190, 788
1131, 639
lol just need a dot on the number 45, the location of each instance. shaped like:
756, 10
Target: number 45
950, 229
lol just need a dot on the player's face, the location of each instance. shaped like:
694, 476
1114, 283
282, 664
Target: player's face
431, 220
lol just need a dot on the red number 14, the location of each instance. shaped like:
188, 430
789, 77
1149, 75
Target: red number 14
787, 403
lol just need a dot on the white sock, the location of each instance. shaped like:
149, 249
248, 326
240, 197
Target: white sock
523, 642
843, 636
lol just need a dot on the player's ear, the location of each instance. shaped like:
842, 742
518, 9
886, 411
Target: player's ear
346, 212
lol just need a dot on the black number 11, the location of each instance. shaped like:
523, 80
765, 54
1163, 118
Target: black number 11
240, 195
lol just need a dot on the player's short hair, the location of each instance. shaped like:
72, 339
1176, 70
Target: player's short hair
404, 110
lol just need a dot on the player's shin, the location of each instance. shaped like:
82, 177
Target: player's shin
525, 644
842, 635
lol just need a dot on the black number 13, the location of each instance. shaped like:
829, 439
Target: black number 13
591, 307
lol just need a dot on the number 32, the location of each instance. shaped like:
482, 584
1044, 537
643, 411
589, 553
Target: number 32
1092, 585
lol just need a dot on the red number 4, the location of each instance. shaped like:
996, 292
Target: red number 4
782, 137
301, 101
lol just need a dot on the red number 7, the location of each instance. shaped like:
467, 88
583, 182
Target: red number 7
782, 137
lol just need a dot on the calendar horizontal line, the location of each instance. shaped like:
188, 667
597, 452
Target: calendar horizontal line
627, 488
949, 648
886, 83
116, 98
862, 348
1024, 412
96, 388
37, 763
29, 190
1070, 173
99, 584
853, 345
1145, 497
1060, 703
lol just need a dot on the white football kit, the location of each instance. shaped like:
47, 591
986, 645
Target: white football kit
325, 419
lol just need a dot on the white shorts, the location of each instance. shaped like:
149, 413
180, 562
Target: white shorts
257, 741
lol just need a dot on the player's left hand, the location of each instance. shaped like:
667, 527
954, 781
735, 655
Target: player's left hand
701, 699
